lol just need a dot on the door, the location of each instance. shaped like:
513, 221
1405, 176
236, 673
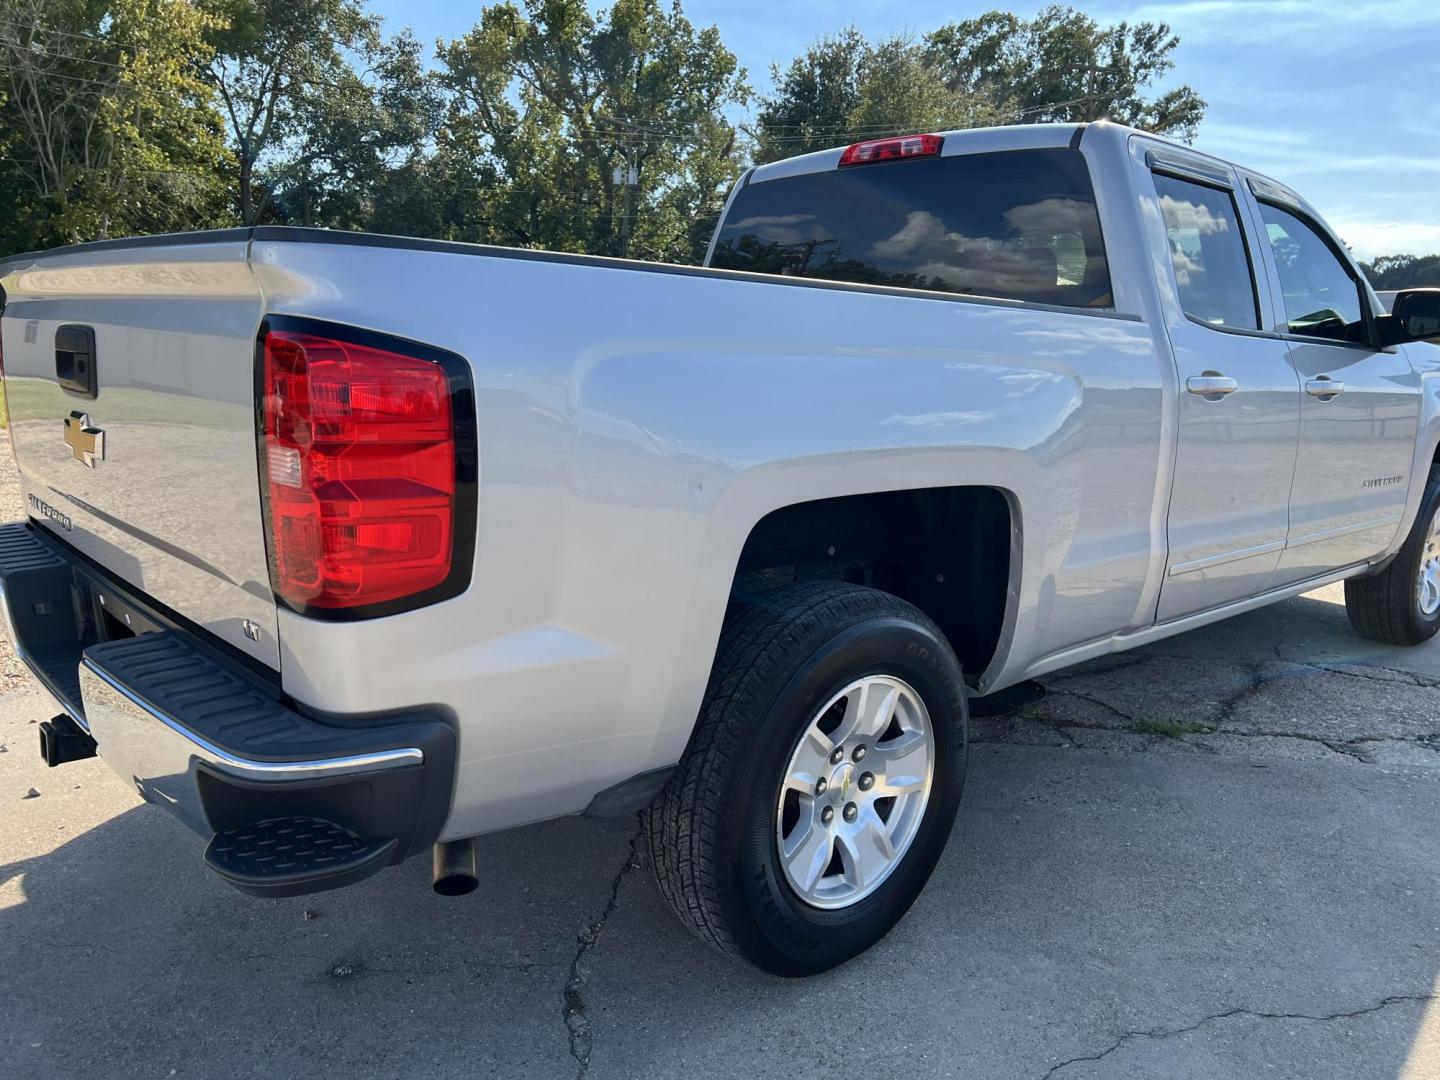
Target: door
1360, 409
1239, 400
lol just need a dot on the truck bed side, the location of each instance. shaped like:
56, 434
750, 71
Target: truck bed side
634, 427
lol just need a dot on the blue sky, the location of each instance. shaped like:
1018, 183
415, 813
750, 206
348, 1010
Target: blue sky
1338, 98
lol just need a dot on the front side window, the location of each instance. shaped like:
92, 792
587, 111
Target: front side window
1018, 225
1322, 298
1207, 250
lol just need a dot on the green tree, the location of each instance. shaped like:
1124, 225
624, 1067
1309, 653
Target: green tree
1063, 66
1403, 271
317, 104
108, 131
814, 98
845, 88
900, 92
603, 132
373, 128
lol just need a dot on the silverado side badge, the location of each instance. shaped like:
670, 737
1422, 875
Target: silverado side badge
87, 443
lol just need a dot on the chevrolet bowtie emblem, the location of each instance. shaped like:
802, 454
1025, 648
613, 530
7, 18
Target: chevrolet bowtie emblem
86, 443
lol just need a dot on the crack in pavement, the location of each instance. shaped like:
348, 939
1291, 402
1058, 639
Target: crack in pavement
1357, 671
1258, 682
79, 945
1166, 1033
1260, 679
1113, 710
1348, 747
1199, 739
575, 1011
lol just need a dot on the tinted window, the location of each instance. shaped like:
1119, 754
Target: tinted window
1020, 225
1321, 298
1212, 270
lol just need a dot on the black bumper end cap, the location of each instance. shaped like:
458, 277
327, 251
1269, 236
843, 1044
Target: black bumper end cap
292, 856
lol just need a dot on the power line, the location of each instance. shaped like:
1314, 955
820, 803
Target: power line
33, 27
57, 54
50, 54
97, 84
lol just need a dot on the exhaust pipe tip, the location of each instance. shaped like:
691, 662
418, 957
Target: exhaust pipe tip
454, 868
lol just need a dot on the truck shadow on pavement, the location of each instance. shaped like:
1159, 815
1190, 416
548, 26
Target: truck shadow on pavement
1118, 900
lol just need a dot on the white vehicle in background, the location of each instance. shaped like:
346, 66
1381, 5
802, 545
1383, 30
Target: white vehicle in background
346, 547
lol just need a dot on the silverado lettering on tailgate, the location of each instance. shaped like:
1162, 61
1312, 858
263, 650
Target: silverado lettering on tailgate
44, 509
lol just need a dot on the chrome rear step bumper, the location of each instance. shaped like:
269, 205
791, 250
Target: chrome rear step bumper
220, 748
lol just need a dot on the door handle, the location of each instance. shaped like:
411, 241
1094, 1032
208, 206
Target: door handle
1211, 385
1324, 387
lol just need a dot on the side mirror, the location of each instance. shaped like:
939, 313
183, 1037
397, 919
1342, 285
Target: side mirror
1414, 316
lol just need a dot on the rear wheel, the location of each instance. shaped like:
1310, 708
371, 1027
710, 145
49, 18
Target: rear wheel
1401, 604
821, 781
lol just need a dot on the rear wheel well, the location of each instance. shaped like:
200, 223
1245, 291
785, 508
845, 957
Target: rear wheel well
945, 550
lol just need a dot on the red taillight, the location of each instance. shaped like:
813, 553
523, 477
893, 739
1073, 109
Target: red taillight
906, 146
359, 468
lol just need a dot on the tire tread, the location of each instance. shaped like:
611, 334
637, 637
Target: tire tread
759, 650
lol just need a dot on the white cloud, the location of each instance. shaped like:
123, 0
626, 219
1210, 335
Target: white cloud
1371, 239
1371, 164
1237, 138
1282, 18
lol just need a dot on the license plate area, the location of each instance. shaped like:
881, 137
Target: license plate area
110, 615
56, 604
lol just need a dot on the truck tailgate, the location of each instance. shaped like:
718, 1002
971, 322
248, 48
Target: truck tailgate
130, 381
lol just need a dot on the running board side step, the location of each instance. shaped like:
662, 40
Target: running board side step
288, 856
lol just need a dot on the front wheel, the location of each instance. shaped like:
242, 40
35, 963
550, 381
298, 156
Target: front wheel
1401, 604
821, 781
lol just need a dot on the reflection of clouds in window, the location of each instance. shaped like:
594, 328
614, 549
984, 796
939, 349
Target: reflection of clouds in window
1186, 222
1009, 265
922, 231
1053, 217
1185, 266
1015, 225
1184, 215
780, 228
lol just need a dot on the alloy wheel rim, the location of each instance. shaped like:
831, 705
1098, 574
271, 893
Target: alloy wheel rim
1429, 593
855, 791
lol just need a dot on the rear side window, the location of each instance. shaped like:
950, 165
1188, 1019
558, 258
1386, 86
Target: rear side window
1322, 297
1019, 225
1207, 249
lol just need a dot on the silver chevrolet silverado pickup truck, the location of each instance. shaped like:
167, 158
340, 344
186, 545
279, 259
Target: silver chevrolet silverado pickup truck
343, 547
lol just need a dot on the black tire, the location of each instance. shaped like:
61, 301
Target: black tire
1386, 606
712, 830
